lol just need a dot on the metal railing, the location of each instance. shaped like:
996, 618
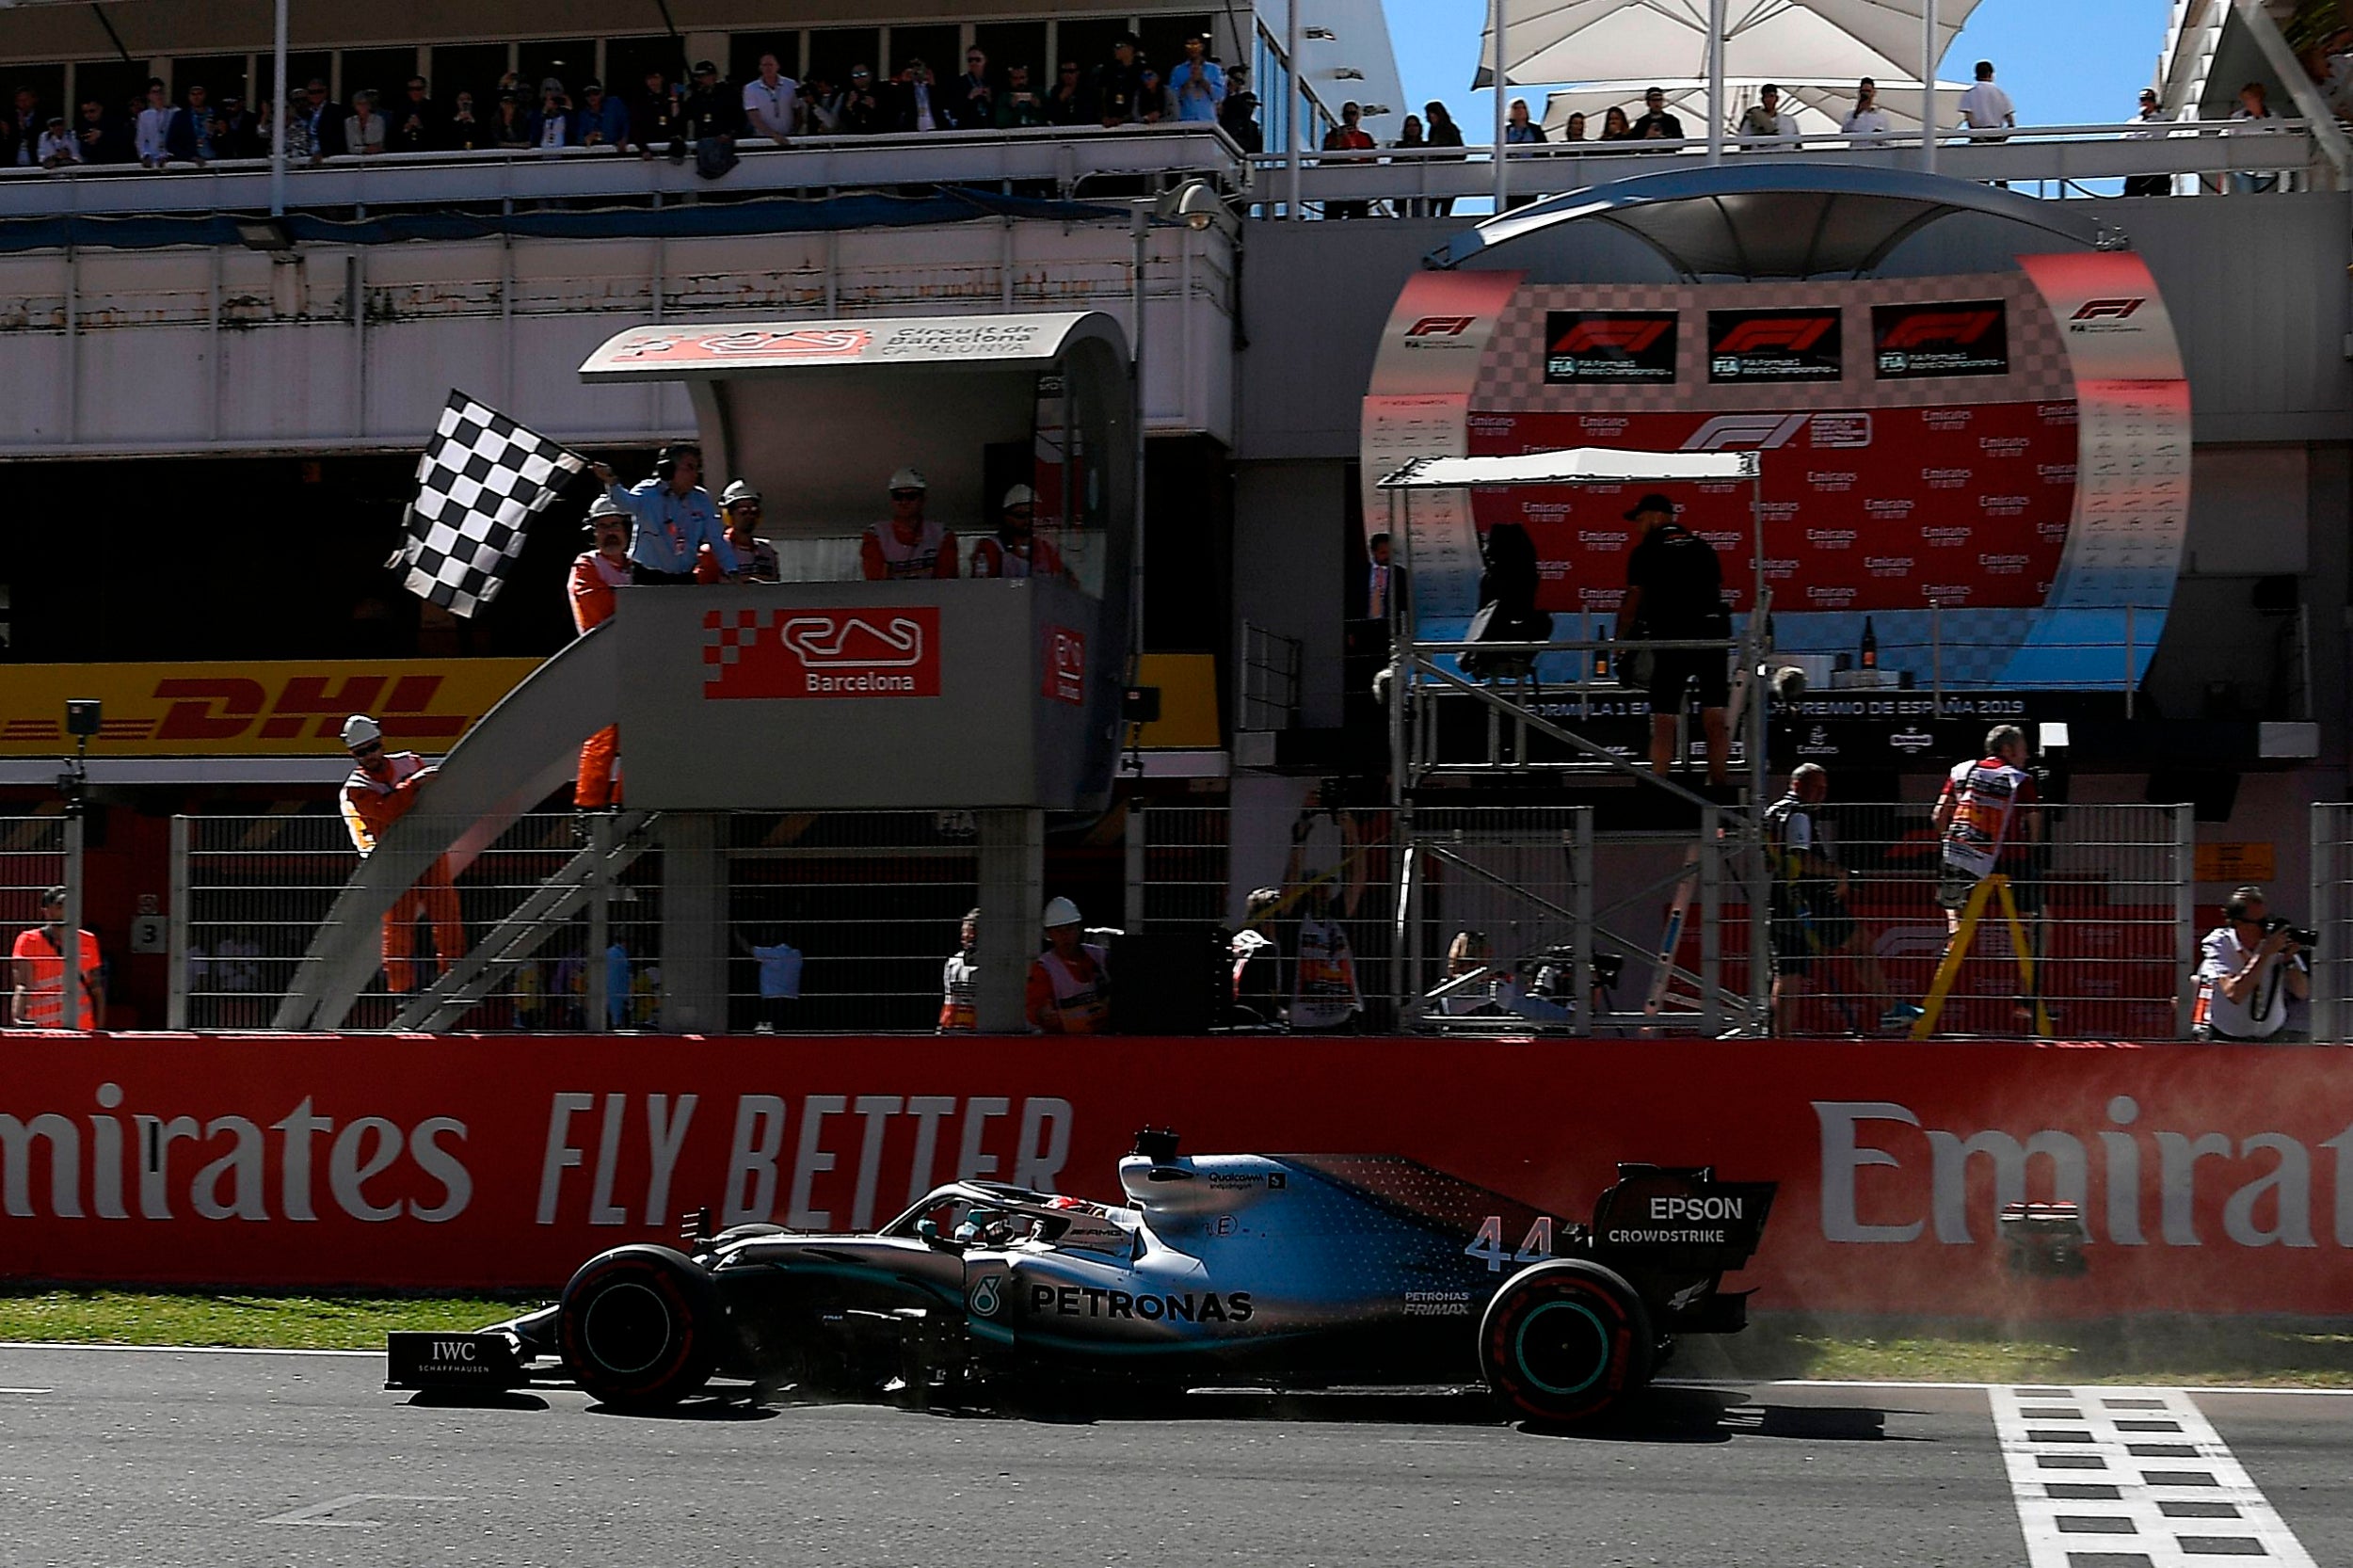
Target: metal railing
2103, 895
1267, 677
1056, 160
34, 857
2331, 919
2197, 155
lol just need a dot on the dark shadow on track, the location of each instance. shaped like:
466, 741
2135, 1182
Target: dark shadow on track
705, 1407
466, 1399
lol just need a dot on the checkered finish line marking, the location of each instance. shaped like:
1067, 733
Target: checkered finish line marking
2131, 1477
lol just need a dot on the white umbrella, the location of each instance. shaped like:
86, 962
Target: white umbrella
1614, 41
1819, 107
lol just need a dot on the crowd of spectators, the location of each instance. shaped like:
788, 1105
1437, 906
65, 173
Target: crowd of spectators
659, 115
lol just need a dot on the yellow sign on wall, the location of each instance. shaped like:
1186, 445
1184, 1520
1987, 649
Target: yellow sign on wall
290, 707
2236, 863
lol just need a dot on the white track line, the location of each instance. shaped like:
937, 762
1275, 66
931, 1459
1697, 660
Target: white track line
169, 1350
2131, 1477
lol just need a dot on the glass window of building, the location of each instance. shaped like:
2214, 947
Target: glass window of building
473, 68
382, 72
218, 74
121, 85
832, 51
303, 66
1088, 39
570, 61
940, 48
1164, 34
627, 59
46, 83
744, 49
1011, 43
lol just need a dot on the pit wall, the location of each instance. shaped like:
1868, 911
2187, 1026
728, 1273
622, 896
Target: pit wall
2213, 1179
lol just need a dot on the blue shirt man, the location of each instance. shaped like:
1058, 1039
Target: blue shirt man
674, 519
1197, 84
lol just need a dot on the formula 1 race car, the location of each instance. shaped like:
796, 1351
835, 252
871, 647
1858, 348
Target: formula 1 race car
1235, 1269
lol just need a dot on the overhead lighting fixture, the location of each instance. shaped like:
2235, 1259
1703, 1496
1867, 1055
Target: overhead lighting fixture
265, 233
1319, 35
1348, 73
1374, 111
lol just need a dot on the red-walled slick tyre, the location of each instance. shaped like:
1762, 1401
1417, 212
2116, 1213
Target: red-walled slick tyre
1563, 1342
641, 1326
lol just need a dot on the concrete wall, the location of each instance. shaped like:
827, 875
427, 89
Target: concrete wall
1289, 560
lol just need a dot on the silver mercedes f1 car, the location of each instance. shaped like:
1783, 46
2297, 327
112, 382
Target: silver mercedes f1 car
1301, 1271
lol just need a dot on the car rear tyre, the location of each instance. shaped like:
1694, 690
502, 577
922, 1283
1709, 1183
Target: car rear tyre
640, 1327
1563, 1341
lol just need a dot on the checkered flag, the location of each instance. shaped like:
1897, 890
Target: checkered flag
478, 484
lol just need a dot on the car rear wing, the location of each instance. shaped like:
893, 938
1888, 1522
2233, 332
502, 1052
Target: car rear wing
1681, 1217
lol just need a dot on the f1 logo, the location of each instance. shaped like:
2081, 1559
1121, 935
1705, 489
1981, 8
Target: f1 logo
2112, 310
1956, 327
1761, 432
1441, 327
1622, 337
1795, 334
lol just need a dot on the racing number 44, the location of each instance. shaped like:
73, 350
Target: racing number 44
1536, 1247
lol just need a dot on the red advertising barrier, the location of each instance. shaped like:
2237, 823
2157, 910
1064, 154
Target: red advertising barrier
2213, 1179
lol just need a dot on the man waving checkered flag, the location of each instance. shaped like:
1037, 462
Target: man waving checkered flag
480, 482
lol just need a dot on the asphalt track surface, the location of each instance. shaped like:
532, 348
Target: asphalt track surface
150, 1457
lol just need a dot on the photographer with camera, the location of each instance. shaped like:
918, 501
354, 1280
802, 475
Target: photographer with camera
2253, 967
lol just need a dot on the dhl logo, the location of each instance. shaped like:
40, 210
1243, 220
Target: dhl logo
248, 708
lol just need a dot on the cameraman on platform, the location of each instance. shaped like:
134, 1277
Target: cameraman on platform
2253, 965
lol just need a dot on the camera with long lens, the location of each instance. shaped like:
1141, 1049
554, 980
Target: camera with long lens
2302, 935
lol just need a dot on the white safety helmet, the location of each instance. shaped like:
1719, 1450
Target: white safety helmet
908, 479
605, 506
1061, 911
360, 730
739, 492
1020, 495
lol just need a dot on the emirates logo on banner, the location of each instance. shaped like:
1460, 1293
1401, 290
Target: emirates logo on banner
769, 654
1063, 667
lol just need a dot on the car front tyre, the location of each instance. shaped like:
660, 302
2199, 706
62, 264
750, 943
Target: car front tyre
1563, 1341
641, 1327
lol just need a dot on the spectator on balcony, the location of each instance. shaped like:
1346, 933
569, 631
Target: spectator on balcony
154, 125
510, 124
1066, 100
1119, 84
416, 122
1349, 136
1151, 98
821, 106
1808, 903
908, 545
21, 130
1986, 107
714, 120
1410, 140
37, 960
1014, 550
552, 121
653, 117
674, 515
756, 557
1674, 593
1520, 131
1575, 129
2254, 110
1767, 120
972, 101
1238, 114
56, 148
1069, 988
463, 131
596, 575
1615, 126
601, 119
1867, 119
1019, 107
364, 129
101, 137
1197, 84
918, 106
2251, 970
2145, 128
188, 137
235, 133
1656, 124
772, 102
1443, 133
323, 122
865, 109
